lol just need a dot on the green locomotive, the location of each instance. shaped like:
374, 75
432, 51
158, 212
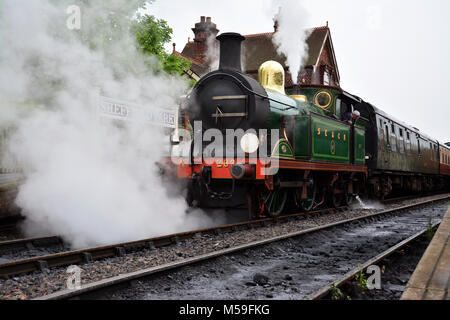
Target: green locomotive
295, 150
318, 156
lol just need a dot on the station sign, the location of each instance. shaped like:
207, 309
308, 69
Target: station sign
121, 110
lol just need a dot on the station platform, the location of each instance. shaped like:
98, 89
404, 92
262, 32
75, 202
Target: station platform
8, 180
431, 279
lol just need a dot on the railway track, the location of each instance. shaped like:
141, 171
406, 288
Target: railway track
326, 291
9, 225
34, 260
31, 251
29, 244
40, 263
106, 284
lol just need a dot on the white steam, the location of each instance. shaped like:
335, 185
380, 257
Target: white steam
92, 182
212, 52
290, 39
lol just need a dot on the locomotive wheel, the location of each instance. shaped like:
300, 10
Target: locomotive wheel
311, 191
263, 202
274, 202
336, 199
348, 199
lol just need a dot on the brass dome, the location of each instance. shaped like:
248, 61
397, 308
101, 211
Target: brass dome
271, 76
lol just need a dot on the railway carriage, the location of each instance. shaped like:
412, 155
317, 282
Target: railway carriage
398, 156
444, 164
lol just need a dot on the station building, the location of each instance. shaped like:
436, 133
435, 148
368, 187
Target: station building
320, 67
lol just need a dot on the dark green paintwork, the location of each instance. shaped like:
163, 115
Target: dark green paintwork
331, 144
360, 145
406, 158
302, 136
311, 92
330, 140
283, 150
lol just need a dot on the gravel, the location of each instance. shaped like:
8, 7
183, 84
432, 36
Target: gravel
41, 283
397, 269
290, 269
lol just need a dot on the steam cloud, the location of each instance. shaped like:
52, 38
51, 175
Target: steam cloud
92, 182
212, 52
290, 39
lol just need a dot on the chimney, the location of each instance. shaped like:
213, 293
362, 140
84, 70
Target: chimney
230, 51
202, 31
174, 46
275, 25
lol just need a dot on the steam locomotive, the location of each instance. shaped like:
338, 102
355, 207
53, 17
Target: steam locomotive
254, 145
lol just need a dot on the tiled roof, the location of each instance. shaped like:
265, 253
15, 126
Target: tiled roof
189, 50
259, 35
197, 66
193, 60
259, 48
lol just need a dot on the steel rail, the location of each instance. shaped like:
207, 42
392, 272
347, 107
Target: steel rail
324, 291
402, 198
17, 267
67, 258
31, 243
109, 282
28, 243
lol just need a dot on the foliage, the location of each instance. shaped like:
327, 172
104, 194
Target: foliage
152, 34
337, 294
430, 230
361, 279
106, 27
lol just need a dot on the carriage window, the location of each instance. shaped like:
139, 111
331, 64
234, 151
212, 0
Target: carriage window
401, 142
387, 135
393, 139
408, 142
381, 131
392, 128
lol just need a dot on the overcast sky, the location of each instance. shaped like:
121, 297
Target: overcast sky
394, 54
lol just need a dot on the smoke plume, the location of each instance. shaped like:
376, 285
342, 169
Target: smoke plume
290, 38
89, 180
212, 52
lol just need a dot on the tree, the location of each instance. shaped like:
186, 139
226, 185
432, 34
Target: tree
152, 34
